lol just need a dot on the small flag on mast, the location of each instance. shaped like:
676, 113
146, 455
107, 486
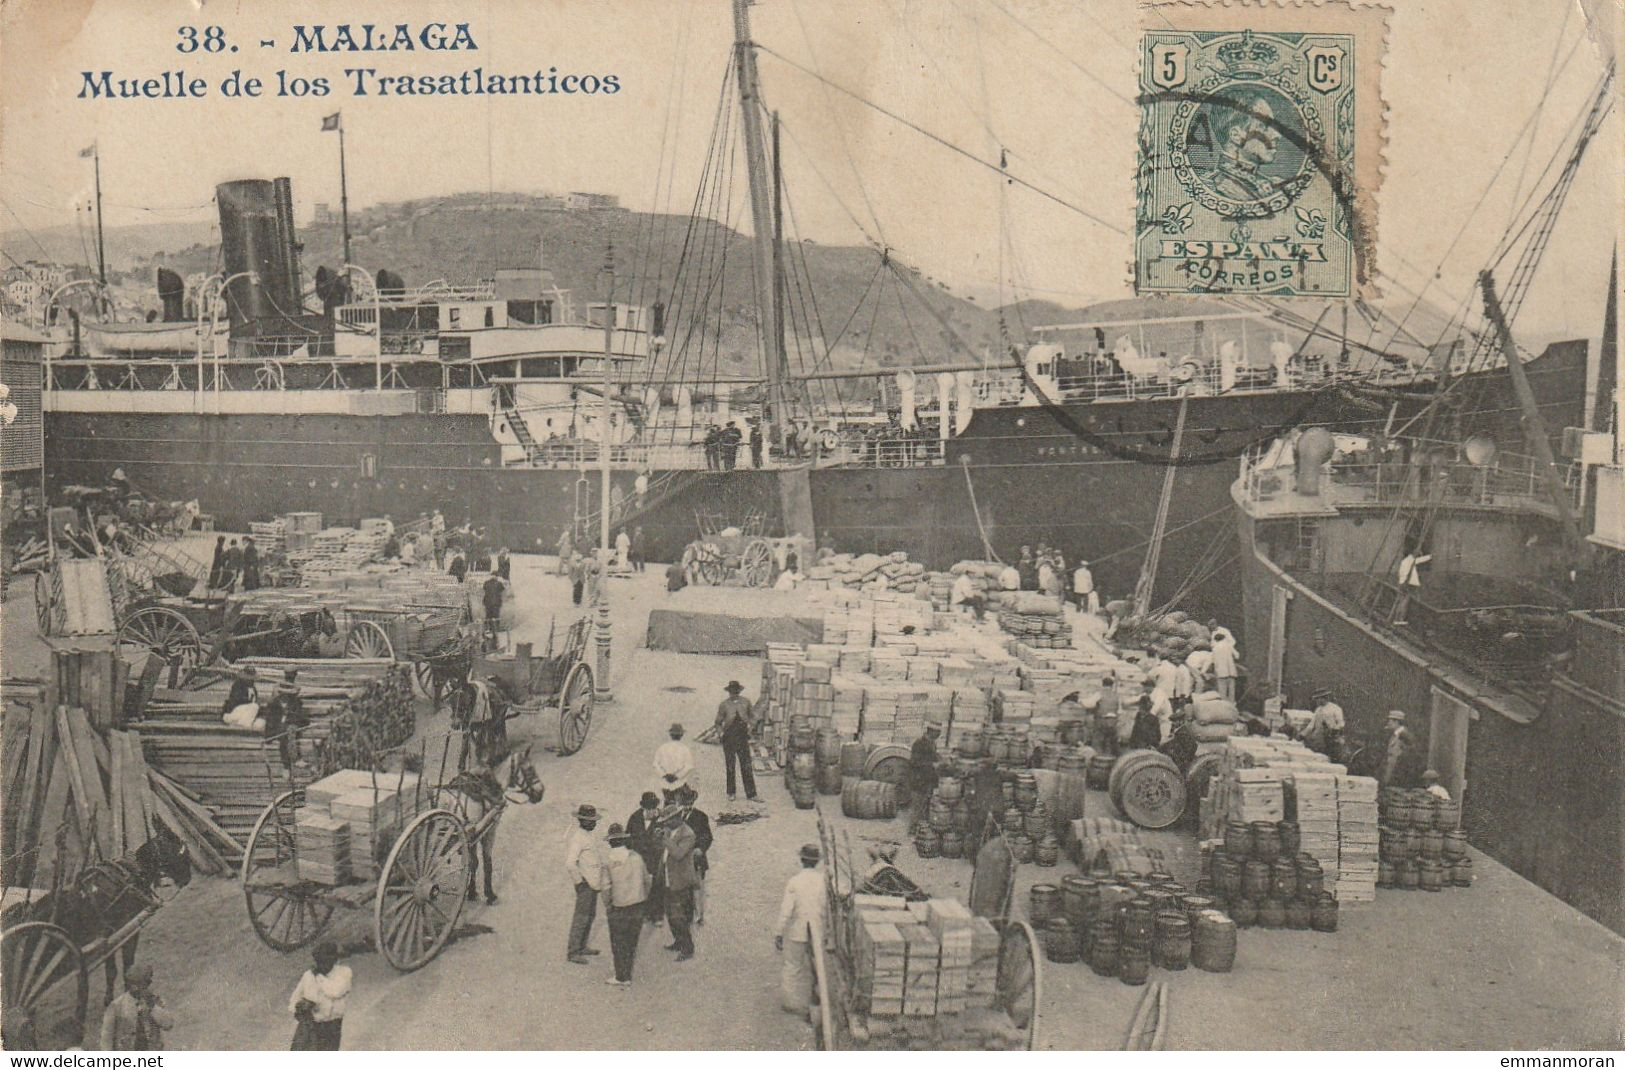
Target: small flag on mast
88, 151
330, 122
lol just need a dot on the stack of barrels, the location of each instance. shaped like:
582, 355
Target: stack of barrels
1419, 843
866, 799
801, 771
1259, 877
1029, 827
827, 754
1124, 926
942, 831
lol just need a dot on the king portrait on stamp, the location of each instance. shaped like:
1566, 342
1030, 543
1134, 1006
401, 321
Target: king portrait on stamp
1247, 162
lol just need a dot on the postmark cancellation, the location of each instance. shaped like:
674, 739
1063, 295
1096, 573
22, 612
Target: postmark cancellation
1259, 149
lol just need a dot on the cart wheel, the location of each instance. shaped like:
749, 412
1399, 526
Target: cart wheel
1019, 984
423, 890
575, 709
286, 912
42, 601
44, 977
756, 564
423, 673
367, 639
163, 633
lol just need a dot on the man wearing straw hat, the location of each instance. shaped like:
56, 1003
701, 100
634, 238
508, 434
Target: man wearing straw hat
734, 726
801, 922
585, 867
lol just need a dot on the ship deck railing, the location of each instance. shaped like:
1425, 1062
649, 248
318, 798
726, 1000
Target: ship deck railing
1514, 482
1011, 387
849, 451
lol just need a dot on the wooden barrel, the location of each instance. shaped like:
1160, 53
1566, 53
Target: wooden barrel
1298, 913
803, 765
1043, 903
830, 781
888, 762
1238, 840
1080, 898
827, 746
1311, 881
803, 737
1172, 948
869, 799
1271, 914
1037, 823
1020, 846
1047, 851
1430, 875
1461, 874
1071, 763
1323, 918
1447, 815
1283, 878
1195, 904
1266, 841
853, 754
1060, 941
1255, 879
1227, 874
1026, 790
1148, 789
1213, 942
970, 745
1244, 912
950, 790
1407, 876
1289, 838
803, 794
939, 814
953, 844
1432, 843
1103, 951
1455, 844
928, 842
1099, 774
1133, 965
1137, 924
1385, 874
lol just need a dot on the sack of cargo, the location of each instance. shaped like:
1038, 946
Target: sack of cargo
1034, 604
1212, 708
1216, 732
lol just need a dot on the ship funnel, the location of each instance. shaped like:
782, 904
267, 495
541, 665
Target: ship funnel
257, 236
906, 381
1314, 448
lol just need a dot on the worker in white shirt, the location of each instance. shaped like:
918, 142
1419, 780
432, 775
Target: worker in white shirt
1164, 674
1083, 588
1162, 707
674, 764
1434, 788
1325, 731
1200, 663
1410, 566
964, 593
584, 865
1184, 682
1224, 663
320, 999
801, 923
623, 549
1010, 578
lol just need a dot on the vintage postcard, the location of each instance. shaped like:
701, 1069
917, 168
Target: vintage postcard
744, 526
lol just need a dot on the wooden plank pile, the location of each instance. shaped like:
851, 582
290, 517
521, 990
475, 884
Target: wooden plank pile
72, 794
354, 705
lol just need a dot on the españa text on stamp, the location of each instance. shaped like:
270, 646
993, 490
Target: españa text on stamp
1247, 158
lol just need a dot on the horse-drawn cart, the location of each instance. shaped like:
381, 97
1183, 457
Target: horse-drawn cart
405, 843
1006, 1018
738, 555
557, 687
52, 939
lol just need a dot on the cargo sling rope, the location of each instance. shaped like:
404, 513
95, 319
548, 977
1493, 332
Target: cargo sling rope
976, 511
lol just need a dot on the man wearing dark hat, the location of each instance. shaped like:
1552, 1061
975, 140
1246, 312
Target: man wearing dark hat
585, 868
674, 764
801, 921
922, 769
644, 829
136, 1020
677, 841
700, 822
734, 726
627, 881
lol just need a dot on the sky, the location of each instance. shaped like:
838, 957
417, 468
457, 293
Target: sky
1048, 81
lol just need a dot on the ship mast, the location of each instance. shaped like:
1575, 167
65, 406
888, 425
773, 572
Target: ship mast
761, 211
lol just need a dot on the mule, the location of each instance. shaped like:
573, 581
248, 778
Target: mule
501, 776
104, 896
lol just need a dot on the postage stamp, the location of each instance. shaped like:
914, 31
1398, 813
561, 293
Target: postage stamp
1250, 171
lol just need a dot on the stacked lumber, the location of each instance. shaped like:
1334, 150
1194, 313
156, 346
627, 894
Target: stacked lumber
73, 794
92, 678
354, 707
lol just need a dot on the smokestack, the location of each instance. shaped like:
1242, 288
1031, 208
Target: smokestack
256, 229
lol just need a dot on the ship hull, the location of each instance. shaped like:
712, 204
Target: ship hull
1543, 766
